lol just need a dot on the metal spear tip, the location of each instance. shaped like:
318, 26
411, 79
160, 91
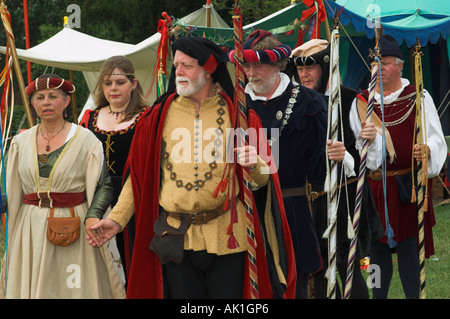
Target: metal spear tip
336, 20
418, 47
378, 32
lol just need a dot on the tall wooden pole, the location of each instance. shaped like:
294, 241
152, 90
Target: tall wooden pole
27, 37
74, 101
17, 69
208, 13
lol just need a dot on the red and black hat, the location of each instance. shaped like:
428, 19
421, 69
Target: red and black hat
282, 51
48, 81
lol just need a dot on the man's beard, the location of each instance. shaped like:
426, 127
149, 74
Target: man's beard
193, 85
265, 86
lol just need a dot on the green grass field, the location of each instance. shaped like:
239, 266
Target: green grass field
437, 268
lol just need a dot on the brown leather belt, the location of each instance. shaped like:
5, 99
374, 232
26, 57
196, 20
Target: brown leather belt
200, 218
301, 191
378, 174
291, 192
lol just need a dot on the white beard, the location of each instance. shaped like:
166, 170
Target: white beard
192, 87
265, 86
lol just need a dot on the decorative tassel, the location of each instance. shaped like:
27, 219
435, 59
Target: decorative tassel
216, 191
224, 184
390, 235
326, 234
327, 273
350, 231
226, 204
234, 216
413, 195
232, 241
425, 204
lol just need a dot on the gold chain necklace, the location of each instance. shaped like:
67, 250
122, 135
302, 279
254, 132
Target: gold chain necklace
198, 182
47, 148
411, 106
52, 172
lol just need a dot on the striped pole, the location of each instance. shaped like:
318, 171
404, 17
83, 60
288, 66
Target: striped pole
360, 185
333, 119
240, 107
422, 173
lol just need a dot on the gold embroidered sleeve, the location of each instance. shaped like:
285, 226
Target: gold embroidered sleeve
124, 208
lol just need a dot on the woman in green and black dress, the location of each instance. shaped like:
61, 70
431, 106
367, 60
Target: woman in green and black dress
120, 102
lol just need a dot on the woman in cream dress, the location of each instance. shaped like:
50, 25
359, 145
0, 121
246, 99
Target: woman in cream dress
66, 162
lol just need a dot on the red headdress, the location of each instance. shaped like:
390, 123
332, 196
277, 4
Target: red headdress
45, 83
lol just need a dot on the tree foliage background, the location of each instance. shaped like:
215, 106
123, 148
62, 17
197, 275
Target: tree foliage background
130, 21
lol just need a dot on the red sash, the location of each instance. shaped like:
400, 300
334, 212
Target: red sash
55, 199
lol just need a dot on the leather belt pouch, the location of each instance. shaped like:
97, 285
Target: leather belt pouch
168, 242
63, 231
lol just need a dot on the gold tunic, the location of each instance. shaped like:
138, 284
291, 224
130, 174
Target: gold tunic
178, 193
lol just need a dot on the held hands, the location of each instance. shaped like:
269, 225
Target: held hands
247, 156
368, 131
100, 231
336, 151
418, 152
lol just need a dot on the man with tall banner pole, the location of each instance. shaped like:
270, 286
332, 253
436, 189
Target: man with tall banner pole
315, 64
420, 147
296, 123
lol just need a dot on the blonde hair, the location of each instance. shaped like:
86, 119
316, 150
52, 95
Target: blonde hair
137, 100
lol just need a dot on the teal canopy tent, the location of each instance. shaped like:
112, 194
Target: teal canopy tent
281, 23
405, 20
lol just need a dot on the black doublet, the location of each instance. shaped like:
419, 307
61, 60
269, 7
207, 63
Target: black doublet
370, 227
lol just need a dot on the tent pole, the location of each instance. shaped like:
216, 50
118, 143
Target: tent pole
208, 13
74, 100
27, 37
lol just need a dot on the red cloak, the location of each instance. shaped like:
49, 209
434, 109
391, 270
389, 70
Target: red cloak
145, 272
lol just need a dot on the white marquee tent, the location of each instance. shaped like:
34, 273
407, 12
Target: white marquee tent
73, 50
